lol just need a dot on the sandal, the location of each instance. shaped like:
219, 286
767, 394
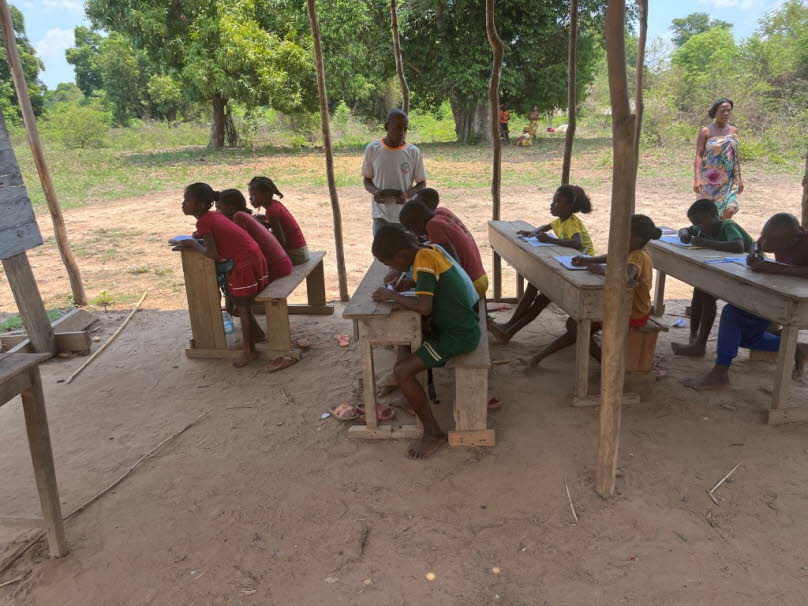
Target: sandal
280, 363
494, 404
383, 413
345, 412
343, 340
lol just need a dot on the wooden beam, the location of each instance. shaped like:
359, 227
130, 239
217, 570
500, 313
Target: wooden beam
805, 195
38, 152
642, 5
572, 63
402, 81
614, 329
329, 156
498, 50
29, 303
66, 342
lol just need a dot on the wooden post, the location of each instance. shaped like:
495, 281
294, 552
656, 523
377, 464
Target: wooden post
616, 326
642, 5
29, 302
329, 156
571, 102
493, 97
59, 230
805, 194
402, 81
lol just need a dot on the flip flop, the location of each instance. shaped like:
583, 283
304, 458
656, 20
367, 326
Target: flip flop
280, 363
343, 340
494, 404
345, 412
304, 343
383, 413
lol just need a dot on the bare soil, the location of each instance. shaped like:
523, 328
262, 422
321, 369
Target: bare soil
263, 502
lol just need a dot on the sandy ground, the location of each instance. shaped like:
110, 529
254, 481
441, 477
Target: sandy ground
262, 501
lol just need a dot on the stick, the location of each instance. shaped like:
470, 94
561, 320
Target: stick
10, 581
5, 565
721, 481
111, 339
569, 498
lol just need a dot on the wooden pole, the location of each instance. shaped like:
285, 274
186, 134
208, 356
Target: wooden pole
571, 101
805, 195
498, 51
29, 303
59, 230
615, 327
402, 81
638, 100
329, 156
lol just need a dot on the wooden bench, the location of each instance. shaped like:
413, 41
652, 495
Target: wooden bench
640, 351
471, 393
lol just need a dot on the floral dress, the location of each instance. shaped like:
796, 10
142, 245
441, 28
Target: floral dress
719, 178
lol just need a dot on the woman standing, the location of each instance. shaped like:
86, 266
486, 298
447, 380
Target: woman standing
717, 171
533, 116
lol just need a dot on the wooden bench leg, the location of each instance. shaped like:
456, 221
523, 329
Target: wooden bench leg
369, 384
277, 316
785, 364
582, 341
520, 286
658, 310
36, 423
471, 409
315, 286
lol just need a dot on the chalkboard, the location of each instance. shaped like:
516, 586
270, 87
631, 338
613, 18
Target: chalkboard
18, 228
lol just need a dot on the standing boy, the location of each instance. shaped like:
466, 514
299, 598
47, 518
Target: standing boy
504, 118
442, 296
783, 236
393, 170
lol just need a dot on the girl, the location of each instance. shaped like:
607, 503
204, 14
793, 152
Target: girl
222, 238
278, 218
232, 205
570, 233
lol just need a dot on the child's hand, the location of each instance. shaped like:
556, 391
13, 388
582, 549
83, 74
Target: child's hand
383, 294
597, 268
401, 198
697, 241
525, 232
543, 237
405, 284
580, 261
685, 237
759, 265
392, 276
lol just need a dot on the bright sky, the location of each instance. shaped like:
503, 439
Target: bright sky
50, 24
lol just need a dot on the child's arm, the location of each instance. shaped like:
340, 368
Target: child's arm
421, 304
208, 248
535, 232
576, 242
735, 246
582, 261
769, 267
277, 230
685, 236
410, 193
373, 190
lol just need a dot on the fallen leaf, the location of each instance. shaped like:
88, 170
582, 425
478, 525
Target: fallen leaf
331, 580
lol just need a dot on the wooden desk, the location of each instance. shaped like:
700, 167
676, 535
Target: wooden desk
781, 299
382, 323
19, 375
579, 293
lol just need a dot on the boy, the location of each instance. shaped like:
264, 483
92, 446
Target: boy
524, 140
709, 231
783, 236
393, 170
504, 118
431, 199
422, 221
440, 294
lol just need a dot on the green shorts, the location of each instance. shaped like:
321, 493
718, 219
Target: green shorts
298, 255
439, 349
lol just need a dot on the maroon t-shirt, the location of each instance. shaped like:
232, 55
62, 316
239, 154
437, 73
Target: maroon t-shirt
232, 242
291, 230
269, 245
797, 253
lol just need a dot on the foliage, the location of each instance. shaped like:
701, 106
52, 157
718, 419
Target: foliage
31, 67
78, 126
83, 56
65, 92
166, 95
694, 23
103, 299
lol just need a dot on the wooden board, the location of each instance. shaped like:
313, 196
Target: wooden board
204, 300
19, 231
385, 432
483, 437
14, 365
281, 288
66, 342
361, 304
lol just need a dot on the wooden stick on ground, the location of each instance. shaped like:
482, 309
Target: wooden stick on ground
10, 581
111, 339
569, 498
711, 492
16, 555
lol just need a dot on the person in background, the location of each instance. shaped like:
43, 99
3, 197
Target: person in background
533, 117
524, 140
504, 118
716, 168
278, 218
393, 170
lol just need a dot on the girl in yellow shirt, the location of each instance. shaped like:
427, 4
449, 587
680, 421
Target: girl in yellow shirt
569, 232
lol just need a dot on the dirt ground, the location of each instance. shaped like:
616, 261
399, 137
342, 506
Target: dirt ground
264, 502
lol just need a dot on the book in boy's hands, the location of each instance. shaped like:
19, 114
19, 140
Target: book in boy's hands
177, 239
390, 195
566, 261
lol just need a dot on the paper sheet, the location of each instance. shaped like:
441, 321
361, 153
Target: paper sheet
533, 241
741, 260
566, 261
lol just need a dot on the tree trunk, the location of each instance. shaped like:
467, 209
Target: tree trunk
230, 132
472, 125
217, 121
329, 157
805, 195
405, 90
638, 101
498, 50
572, 63
614, 328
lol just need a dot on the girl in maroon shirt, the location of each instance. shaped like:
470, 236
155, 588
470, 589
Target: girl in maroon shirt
278, 218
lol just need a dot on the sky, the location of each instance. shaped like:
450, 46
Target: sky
50, 24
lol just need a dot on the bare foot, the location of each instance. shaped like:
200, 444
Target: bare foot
258, 334
245, 358
693, 349
717, 378
426, 446
498, 332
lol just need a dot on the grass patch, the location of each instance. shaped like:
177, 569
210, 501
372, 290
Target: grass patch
16, 323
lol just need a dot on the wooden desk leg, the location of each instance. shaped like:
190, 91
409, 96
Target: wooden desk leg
315, 286
785, 363
369, 384
277, 316
204, 301
520, 286
658, 310
36, 422
414, 345
582, 359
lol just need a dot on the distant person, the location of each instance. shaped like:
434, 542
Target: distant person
783, 236
504, 118
533, 117
278, 218
393, 170
717, 169
708, 231
524, 140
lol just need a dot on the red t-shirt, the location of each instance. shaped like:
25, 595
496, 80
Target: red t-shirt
269, 245
439, 230
291, 230
442, 211
232, 242
797, 253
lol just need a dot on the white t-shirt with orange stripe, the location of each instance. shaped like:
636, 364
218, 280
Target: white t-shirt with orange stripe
392, 168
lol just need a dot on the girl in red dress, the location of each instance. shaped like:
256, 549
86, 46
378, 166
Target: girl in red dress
278, 218
223, 238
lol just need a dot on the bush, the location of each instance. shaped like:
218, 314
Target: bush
78, 126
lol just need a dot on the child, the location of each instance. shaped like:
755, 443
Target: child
278, 218
783, 236
524, 140
223, 238
441, 295
709, 231
570, 233
533, 117
422, 221
431, 199
232, 205
504, 118
392, 166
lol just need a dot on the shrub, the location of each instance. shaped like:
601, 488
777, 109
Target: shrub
79, 126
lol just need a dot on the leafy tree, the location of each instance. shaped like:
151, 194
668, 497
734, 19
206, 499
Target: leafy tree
695, 23
31, 67
166, 96
708, 59
65, 92
84, 59
125, 75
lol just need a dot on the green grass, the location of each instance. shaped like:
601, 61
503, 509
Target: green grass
15, 322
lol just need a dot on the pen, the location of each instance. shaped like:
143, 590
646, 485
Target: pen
400, 278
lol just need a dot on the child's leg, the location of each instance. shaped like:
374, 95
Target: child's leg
406, 372
702, 318
562, 342
530, 306
247, 322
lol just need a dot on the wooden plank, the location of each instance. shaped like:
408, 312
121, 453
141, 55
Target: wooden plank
794, 414
204, 300
385, 432
471, 399
278, 333
315, 286
785, 362
593, 401
29, 302
76, 320
658, 308
582, 358
361, 304
19, 522
15, 208
66, 342
401, 327
310, 310
281, 288
18, 239
13, 386
36, 423
230, 354
483, 437
763, 356
368, 382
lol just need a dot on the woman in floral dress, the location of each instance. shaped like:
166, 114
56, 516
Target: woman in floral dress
717, 170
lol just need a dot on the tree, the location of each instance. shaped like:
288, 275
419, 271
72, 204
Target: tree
695, 23
166, 96
125, 75
709, 65
31, 67
83, 56
65, 92
219, 51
